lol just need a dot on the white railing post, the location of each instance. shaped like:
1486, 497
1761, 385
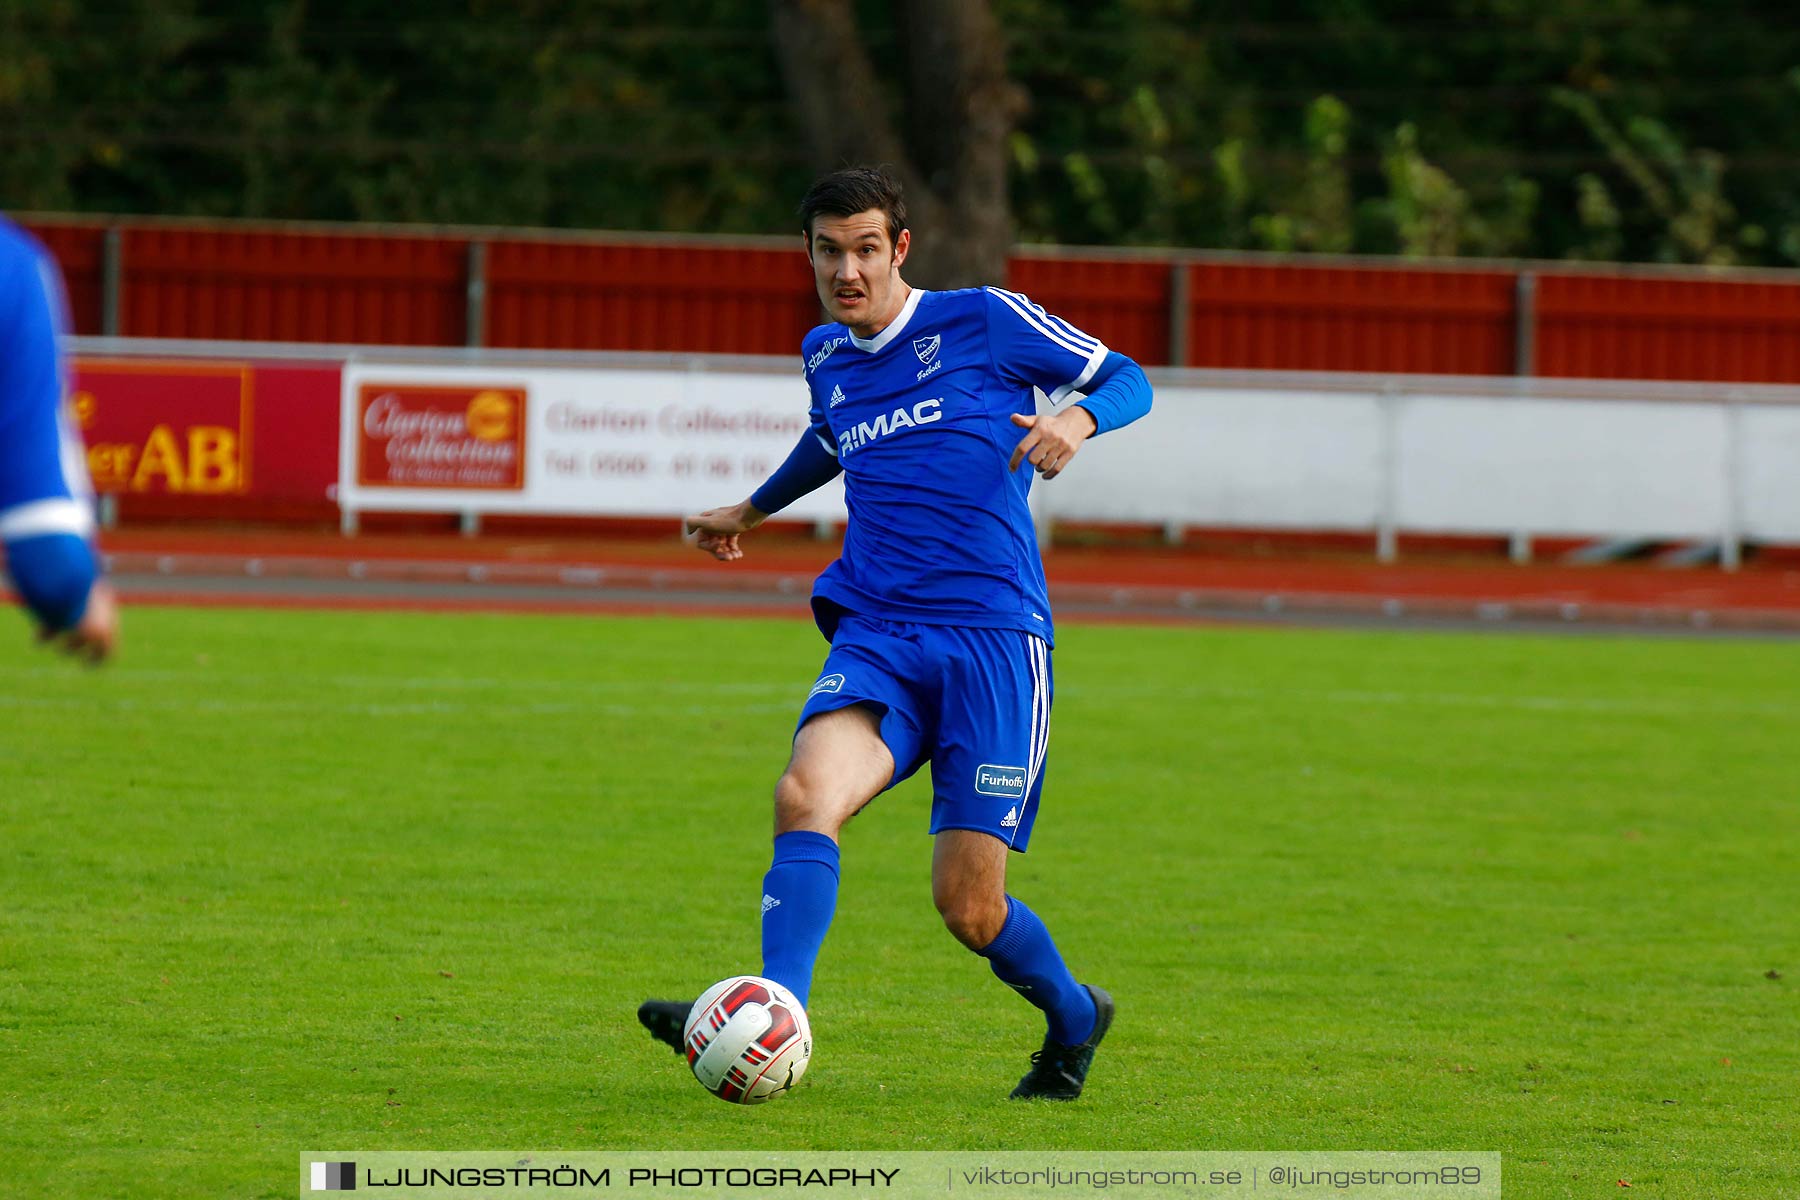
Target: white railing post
1731, 539
1387, 528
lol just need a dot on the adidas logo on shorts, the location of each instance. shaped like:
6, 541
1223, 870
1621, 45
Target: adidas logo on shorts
1011, 819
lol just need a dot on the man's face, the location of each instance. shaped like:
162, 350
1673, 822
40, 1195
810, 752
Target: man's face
857, 269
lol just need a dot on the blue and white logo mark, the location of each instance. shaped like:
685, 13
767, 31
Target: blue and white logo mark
831, 683
927, 347
991, 780
334, 1177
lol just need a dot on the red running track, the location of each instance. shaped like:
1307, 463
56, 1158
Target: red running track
649, 574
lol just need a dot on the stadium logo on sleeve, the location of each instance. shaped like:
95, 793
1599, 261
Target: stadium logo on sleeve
334, 1177
823, 353
991, 780
830, 683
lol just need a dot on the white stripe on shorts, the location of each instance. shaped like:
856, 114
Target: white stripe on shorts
1040, 720
1041, 662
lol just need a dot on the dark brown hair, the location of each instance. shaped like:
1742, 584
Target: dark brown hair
855, 190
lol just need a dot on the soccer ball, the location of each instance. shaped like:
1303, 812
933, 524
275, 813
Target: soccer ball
747, 1039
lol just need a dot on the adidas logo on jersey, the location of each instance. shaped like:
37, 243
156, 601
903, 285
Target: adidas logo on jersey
864, 432
1011, 819
837, 397
770, 902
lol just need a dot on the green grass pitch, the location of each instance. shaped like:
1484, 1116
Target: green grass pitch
291, 880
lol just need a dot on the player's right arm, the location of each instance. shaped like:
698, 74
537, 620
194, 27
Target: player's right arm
810, 465
45, 520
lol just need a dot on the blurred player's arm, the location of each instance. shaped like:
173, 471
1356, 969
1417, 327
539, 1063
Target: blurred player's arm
1118, 394
58, 578
45, 522
809, 466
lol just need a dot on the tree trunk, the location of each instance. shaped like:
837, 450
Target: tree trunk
940, 120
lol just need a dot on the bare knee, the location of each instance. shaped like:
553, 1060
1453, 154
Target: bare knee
973, 919
839, 764
802, 802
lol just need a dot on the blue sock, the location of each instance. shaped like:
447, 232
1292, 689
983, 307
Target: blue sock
799, 896
1025, 959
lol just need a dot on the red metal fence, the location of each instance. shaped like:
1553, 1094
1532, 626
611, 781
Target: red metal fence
242, 281
1339, 318
1608, 327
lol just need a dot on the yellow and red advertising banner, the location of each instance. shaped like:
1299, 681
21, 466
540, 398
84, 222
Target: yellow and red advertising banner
165, 427
444, 436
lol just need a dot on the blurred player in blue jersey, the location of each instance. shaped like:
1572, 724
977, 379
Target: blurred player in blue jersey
937, 610
46, 501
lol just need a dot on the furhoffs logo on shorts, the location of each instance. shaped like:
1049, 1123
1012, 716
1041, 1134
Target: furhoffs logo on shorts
991, 780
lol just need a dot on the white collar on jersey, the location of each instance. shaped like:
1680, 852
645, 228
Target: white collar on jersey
894, 326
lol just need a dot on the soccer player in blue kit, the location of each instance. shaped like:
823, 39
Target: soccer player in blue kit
937, 610
46, 500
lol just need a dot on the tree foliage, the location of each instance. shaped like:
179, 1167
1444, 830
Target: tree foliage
1660, 130
939, 112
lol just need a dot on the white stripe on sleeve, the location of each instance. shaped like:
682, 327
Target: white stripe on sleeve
1080, 381
39, 517
1063, 334
1074, 341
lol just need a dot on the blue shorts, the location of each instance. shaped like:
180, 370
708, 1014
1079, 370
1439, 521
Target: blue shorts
974, 703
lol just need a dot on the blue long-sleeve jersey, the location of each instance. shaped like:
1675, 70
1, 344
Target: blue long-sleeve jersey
46, 499
919, 420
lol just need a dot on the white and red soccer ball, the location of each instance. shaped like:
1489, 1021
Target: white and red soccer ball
747, 1039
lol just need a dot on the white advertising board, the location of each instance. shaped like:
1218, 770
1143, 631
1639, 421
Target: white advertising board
566, 441
1442, 460
1333, 453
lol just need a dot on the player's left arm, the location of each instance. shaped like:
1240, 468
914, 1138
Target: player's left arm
1118, 394
46, 526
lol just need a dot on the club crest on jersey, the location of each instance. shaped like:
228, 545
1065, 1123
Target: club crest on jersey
926, 348
864, 432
